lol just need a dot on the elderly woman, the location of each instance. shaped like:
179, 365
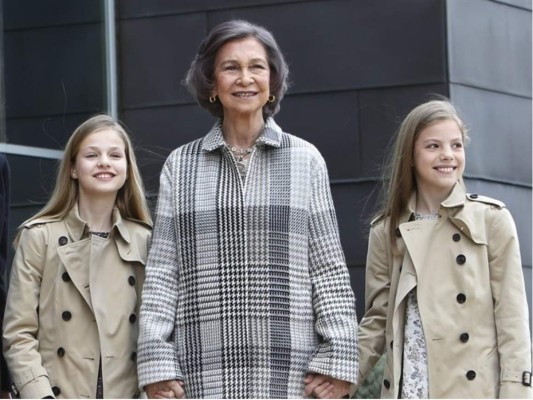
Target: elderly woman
247, 292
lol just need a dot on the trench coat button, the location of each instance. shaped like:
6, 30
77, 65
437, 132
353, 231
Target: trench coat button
474, 196
131, 280
56, 391
464, 337
133, 318
65, 277
461, 298
456, 237
60, 352
133, 356
391, 343
397, 232
471, 375
62, 240
461, 259
66, 315
386, 383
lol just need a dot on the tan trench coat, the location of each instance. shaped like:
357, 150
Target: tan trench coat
73, 299
471, 297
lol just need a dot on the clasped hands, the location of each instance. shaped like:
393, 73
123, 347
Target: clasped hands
316, 385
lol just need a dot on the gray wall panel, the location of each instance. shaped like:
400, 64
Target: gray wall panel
518, 200
500, 131
492, 52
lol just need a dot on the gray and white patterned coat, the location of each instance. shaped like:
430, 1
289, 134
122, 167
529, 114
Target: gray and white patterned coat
246, 287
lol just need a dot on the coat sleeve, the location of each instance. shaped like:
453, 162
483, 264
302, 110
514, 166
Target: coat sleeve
333, 298
377, 287
21, 319
510, 305
157, 358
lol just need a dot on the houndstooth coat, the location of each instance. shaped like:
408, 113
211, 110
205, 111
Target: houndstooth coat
246, 286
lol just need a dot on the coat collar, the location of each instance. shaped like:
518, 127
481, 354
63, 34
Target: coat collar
76, 226
454, 208
271, 136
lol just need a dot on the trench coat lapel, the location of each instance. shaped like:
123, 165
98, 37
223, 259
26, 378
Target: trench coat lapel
74, 257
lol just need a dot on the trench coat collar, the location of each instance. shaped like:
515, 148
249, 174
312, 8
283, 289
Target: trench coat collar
76, 226
453, 208
271, 136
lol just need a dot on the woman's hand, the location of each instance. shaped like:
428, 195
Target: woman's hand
172, 389
325, 387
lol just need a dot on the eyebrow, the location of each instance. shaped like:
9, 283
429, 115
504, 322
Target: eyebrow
98, 148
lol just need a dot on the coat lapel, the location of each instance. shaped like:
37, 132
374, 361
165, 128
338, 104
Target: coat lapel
75, 258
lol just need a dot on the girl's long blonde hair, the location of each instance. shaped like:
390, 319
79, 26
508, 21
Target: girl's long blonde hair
130, 200
399, 179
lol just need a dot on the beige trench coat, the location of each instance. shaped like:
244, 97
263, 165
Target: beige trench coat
471, 298
74, 299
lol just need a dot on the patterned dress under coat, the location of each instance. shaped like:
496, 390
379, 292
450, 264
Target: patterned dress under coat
247, 288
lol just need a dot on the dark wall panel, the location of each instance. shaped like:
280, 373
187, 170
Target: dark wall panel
380, 114
158, 131
330, 122
492, 52
54, 70
354, 205
49, 132
339, 44
37, 13
143, 8
31, 179
154, 56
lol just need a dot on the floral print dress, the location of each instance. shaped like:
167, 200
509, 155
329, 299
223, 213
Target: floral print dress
415, 359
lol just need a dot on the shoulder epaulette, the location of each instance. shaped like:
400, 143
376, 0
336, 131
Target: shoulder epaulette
485, 199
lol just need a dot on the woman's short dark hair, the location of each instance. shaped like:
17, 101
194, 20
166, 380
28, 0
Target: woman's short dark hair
200, 79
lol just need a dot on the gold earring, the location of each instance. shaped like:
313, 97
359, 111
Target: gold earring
212, 99
271, 98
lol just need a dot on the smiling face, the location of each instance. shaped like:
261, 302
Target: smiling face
439, 158
101, 164
242, 78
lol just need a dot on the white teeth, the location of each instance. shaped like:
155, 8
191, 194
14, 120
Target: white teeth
104, 176
244, 94
445, 169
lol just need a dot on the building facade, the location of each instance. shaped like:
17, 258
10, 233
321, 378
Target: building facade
357, 67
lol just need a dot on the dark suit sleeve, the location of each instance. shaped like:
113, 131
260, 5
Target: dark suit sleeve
4, 273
